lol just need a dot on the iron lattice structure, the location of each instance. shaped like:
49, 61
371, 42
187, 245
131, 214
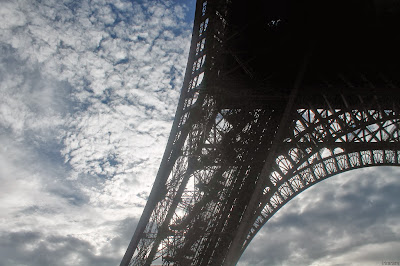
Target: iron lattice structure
277, 96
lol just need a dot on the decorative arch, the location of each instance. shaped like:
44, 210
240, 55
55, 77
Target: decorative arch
306, 177
322, 143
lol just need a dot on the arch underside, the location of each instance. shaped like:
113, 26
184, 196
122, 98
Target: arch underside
231, 150
219, 150
320, 169
222, 160
217, 168
204, 198
323, 143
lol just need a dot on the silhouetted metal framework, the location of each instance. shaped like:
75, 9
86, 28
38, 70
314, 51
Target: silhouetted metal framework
277, 96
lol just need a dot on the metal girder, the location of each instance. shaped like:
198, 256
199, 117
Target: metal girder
259, 122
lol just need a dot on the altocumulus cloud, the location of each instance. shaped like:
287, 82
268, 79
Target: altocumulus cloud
87, 95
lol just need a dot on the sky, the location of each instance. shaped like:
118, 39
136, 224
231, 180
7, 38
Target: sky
88, 92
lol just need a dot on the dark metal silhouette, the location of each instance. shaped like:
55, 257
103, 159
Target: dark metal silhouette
277, 96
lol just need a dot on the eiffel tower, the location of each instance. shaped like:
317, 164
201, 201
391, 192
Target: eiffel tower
278, 95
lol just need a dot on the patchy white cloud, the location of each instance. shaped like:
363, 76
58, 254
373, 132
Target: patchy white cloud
88, 91
28, 103
11, 17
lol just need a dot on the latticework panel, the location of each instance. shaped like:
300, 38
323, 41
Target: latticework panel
325, 142
232, 155
173, 191
258, 123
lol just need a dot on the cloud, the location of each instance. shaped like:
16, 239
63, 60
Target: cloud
33, 248
87, 97
351, 219
10, 16
28, 101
